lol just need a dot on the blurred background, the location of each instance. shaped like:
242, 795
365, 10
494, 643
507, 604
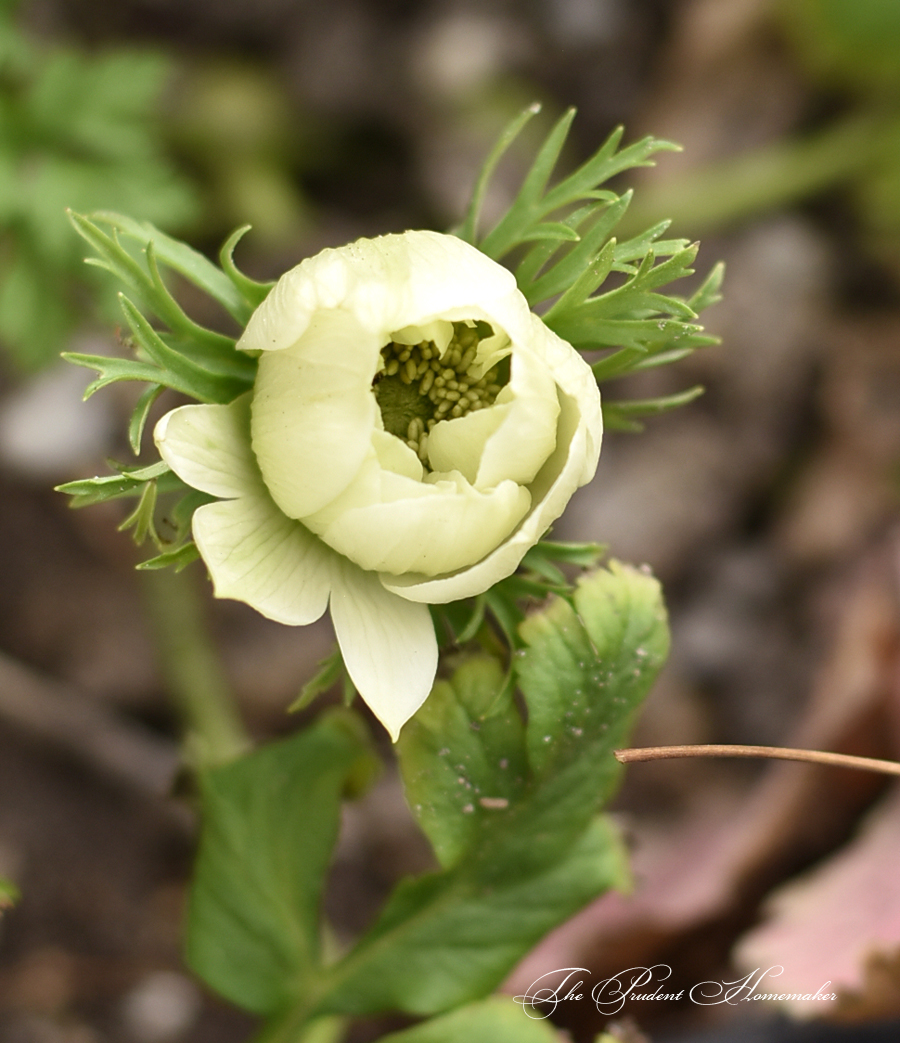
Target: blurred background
769, 508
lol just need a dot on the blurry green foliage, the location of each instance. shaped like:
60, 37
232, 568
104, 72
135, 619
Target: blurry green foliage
77, 130
850, 52
855, 43
854, 46
237, 128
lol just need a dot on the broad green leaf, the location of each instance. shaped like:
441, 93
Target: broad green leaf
497, 1019
270, 821
450, 938
462, 757
518, 870
585, 670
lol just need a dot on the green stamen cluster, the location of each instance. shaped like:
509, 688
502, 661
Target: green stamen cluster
418, 387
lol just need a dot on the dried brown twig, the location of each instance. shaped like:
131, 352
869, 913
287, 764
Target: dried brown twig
840, 760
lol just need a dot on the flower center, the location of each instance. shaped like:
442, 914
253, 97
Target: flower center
419, 386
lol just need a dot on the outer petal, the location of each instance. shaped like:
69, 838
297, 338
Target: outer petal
388, 644
388, 283
209, 447
576, 454
388, 522
257, 555
314, 412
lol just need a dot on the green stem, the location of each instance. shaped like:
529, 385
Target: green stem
719, 195
329, 1028
192, 669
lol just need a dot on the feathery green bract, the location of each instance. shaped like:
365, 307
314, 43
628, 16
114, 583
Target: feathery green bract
186, 357
179, 354
559, 243
167, 525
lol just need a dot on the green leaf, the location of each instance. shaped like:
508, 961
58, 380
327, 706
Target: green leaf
518, 870
536, 179
139, 417
112, 370
622, 415
584, 672
141, 518
252, 292
330, 671
496, 1019
143, 278
88, 491
468, 230
178, 371
177, 558
584, 554
270, 821
593, 241
183, 259
588, 330
447, 939
709, 292
524, 221
558, 231
606, 162
462, 757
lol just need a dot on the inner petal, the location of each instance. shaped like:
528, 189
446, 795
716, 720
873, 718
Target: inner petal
436, 372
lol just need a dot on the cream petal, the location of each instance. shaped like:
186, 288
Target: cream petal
396, 456
527, 436
425, 527
313, 412
256, 555
389, 283
440, 332
388, 644
574, 377
578, 445
208, 447
458, 444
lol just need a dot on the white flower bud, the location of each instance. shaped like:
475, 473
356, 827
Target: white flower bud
414, 429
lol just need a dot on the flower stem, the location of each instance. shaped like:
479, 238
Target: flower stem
192, 670
840, 760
